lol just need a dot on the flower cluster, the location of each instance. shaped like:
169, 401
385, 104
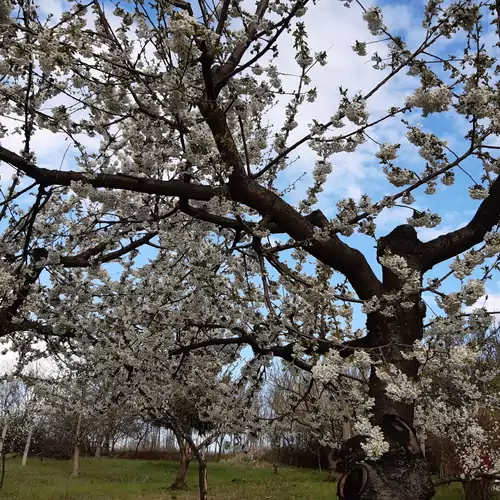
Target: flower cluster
373, 17
375, 445
435, 100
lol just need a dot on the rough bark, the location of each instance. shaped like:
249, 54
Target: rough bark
402, 473
479, 489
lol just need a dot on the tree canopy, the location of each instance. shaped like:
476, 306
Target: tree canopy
189, 222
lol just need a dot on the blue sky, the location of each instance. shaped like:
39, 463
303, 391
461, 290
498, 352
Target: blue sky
452, 203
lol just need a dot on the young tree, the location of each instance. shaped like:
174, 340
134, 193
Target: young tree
198, 411
178, 95
16, 412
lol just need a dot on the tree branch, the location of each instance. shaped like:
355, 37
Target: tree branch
83, 259
223, 73
454, 243
229, 69
204, 215
285, 352
48, 177
334, 252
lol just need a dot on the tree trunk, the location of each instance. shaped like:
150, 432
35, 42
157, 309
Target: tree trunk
202, 479
422, 439
99, 441
2, 451
184, 438
332, 466
141, 438
479, 489
402, 473
4, 435
76, 450
219, 453
76, 460
180, 482
27, 446
152, 441
2, 477
346, 423
107, 443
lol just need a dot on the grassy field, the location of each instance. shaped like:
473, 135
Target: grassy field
108, 479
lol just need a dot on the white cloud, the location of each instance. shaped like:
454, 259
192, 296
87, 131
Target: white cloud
391, 218
491, 302
332, 26
429, 233
54, 7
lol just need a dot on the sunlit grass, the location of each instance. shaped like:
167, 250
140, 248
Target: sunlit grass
108, 479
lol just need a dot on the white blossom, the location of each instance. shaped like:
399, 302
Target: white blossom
478, 192
375, 445
434, 100
388, 152
373, 17
355, 111
359, 48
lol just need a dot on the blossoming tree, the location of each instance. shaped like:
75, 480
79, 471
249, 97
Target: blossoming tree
165, 106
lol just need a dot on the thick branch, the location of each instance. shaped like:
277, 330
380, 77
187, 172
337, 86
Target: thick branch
334, 252
29, 325
204, 215
452, 244
47, 177
315, 218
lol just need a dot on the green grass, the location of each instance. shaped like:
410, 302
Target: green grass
108, 479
